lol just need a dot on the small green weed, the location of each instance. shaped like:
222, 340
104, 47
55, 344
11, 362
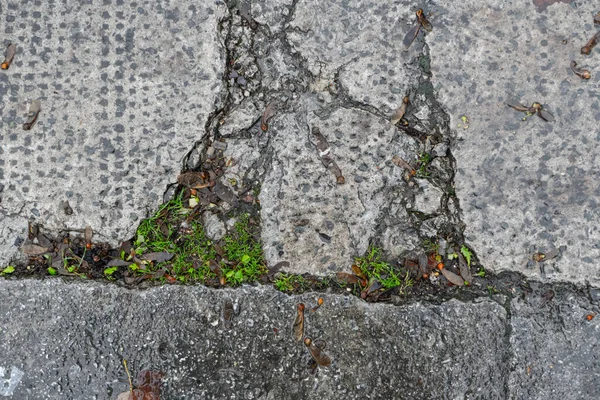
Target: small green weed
374, 268
8, 270
242, 249
424, 161
431, 246
467, 254
288, 282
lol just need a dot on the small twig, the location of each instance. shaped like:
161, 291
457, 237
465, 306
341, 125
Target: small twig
129, 377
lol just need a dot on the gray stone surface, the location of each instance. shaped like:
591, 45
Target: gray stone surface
126, 89
555, 348
317, 224
70, 339
523, 185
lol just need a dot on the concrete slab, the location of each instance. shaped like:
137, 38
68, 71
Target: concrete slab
69, 340
125, 90
524, 186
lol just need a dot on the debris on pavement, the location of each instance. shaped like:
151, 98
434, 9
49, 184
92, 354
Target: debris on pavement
399, 113
589, 46
227, 314
298, 327
580, 72
316, 351
34, 111
269, 113
324, 153
452, 277
9, 55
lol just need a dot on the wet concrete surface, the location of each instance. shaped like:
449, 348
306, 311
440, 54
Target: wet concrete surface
69, 339
133, 94
524, 186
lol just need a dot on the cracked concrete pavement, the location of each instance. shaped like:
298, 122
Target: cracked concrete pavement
132, 93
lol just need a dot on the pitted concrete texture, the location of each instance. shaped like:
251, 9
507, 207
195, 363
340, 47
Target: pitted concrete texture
314, 222
70, 339
524, 186
361, 42
125, 88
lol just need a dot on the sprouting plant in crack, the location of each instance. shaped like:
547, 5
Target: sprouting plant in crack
374, 268
244, 252
289, 282
424, 160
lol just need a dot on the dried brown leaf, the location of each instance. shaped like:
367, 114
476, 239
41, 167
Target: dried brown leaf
452, 277
344, 277
33, 249
298, 327
358, 272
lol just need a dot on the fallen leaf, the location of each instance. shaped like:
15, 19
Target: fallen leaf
344, 277
33, 249
298, 327
452, 277
158, 257
358, 272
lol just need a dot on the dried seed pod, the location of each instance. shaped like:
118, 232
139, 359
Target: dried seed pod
411, 34
319, 304
517, 106
87, 235
399, 114
227, 314
580, 72
590, 317
34, 110
317, 353
589, 46
298, 328
269, 113
67, 208
9, 55
400, 162
452, 277
423, 21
